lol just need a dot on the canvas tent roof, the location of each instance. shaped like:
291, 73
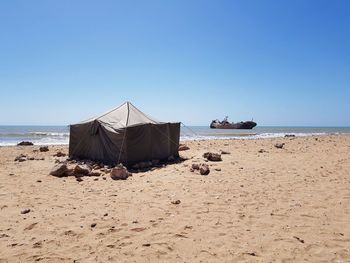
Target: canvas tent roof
126, 115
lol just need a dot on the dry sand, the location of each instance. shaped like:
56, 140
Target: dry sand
282, 205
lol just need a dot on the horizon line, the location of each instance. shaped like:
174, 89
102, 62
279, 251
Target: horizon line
262, 126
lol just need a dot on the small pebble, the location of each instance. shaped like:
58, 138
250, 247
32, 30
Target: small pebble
25, 211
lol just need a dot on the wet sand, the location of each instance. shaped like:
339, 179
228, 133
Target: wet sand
276, 205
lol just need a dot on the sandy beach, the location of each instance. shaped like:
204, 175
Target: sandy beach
260, 204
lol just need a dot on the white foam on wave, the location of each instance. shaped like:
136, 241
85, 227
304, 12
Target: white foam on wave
64, 140
250, 137
54, 134
36, 137
279, 135
43, 141
35, 134
52, 141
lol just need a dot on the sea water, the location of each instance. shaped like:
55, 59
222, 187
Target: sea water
59, 135
204, 132
39, 135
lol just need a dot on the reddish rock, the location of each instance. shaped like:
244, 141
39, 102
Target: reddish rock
279, 145
94, 173
119, 173
44, 149
69, 172
96, 166
214, 157
82, 169
59, 170
21, 158
204, 169
195, 166
176, 202
60, 154
183, 147
25, 211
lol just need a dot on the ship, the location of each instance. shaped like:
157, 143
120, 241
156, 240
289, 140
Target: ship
224, 124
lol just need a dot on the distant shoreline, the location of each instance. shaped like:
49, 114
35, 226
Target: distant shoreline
188, 125
59, 135
242, 138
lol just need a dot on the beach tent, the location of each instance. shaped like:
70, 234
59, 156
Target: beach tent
124, 135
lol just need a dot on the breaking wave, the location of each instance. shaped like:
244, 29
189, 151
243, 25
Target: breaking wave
249, 136
36, 137
35, 134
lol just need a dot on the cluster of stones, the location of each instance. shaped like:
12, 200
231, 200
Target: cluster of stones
78, 170
23, 158
203, 168
89, 168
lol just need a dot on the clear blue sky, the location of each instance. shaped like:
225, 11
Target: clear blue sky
281, 62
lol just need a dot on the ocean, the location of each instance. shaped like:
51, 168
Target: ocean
59, 135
